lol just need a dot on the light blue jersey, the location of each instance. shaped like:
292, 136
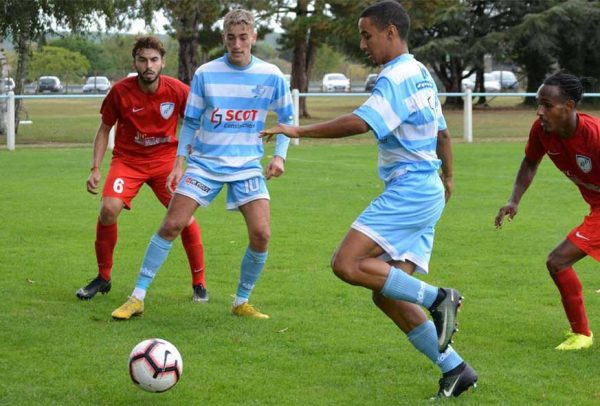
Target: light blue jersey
405, 114
227, 107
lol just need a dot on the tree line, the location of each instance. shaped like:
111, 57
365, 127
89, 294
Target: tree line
451, 36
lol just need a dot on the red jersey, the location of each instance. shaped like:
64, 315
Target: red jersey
146, 123
578, 156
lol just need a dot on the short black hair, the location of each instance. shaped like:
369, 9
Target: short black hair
387, 13
570, 86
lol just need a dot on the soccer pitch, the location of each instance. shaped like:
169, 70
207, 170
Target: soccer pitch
326, 344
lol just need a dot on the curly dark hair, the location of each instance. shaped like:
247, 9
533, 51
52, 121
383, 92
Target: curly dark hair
148, 42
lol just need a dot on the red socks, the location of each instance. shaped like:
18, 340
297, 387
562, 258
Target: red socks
571, 293
192, 242
106, 239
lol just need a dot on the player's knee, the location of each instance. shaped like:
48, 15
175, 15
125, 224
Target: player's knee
260, 239
554, 262
171, 228
343, 268
108, 215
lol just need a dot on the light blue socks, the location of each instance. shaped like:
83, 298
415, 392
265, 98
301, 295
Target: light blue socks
401, 286
424, 339
156, 253
252, 266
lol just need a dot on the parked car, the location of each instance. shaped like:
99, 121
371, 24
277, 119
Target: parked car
96, 84
489, 83
9, 85
507, 79
370, 81
335, 82
48, 84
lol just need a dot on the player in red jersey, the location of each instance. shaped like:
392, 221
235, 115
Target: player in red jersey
572, 141
146, 109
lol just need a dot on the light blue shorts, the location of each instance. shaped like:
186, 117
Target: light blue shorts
239, 192
402, 219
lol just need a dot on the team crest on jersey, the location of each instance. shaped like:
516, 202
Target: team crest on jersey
259, 90
584, 163
166, 109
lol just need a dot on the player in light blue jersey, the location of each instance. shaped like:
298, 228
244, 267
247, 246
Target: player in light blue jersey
226, 110
393, 237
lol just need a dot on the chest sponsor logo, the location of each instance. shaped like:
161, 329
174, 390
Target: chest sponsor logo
148, 141
584, 163
232, 118
167, 109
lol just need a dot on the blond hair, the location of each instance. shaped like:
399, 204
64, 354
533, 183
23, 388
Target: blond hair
238, 16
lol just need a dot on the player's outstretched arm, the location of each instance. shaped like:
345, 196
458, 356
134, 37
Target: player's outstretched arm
98, 151
525, 176
342, 126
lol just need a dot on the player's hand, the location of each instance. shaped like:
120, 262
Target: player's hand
93, 181
288, 130
509, 210
448, 182
275, 167
174, 178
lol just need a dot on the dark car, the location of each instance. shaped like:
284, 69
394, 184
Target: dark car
49, 84
370, 82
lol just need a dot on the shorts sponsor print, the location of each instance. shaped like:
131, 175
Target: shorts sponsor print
239, 192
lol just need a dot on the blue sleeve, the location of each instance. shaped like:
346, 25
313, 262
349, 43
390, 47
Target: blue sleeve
186, 135
284, 108
281, 146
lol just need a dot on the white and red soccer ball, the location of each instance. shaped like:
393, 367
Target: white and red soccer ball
155, 365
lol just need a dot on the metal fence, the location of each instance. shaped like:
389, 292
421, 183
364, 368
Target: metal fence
7, 102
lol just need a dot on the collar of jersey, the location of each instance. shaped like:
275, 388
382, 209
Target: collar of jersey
232, 66
399, 58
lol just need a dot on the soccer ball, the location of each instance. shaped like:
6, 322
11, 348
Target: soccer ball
155, 365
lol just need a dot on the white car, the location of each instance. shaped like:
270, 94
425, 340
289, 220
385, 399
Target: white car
96, 84
9, 85
490, 84
335, 82
507, 79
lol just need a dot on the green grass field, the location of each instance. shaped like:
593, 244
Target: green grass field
76, 120
326, 344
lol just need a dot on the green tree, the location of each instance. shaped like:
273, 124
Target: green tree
328, 60
27, 21
57, 61
192, 24
92, 50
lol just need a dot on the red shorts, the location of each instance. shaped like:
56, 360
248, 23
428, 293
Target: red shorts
586, 236
125, 179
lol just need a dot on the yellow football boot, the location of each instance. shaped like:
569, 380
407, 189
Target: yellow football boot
576, 341
132, 307
247, 310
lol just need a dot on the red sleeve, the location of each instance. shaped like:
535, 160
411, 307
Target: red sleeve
109, 108
184, 92
535, 150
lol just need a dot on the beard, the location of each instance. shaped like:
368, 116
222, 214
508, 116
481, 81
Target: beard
149, 81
